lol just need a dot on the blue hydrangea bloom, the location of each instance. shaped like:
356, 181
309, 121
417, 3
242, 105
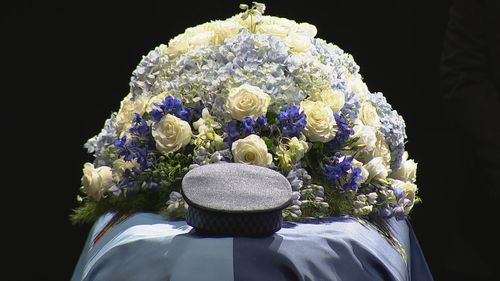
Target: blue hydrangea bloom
393, 127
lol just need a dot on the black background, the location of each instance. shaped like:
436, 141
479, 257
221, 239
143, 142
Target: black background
65, 68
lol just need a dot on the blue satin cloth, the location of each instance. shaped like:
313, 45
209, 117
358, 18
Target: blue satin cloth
146, 247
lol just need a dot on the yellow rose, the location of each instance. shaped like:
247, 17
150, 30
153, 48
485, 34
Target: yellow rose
247, 100
251, 150
96, 181
128, 108
171, 134
333, 98
368, 115
407, 171
320, 123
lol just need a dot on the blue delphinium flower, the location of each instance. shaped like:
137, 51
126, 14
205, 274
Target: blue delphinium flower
343, 133
139, 145
141, 129
232, 132
248, 125
133, 150
261, 122
353, 183
292, 121
171, 105
239, 129
337, 168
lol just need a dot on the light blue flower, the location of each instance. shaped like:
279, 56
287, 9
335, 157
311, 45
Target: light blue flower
393, 127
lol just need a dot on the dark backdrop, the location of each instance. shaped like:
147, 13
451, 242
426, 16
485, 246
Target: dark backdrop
66, 67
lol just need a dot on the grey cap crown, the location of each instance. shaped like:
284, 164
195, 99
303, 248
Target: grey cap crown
236, 187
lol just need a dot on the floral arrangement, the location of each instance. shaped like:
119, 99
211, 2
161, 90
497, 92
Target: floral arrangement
253, 89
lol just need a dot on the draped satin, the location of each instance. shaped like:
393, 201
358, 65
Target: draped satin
146, 247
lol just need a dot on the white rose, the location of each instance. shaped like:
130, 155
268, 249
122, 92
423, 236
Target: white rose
285, 24
128, 108
382, 149
366, 136
298, 43
333, 98
251, 150
191, 38
368, 115
224, 29
376, 169
298, 148
178, 44
273, 29
203, 38
96, 181
407, 171
247, 100
194, 30
320, 123
358, 87
171, 134
307, 29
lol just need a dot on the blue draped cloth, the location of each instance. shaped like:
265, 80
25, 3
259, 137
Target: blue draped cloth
146, 247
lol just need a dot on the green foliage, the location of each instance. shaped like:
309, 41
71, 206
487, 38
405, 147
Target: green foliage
340, 202
141, 201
